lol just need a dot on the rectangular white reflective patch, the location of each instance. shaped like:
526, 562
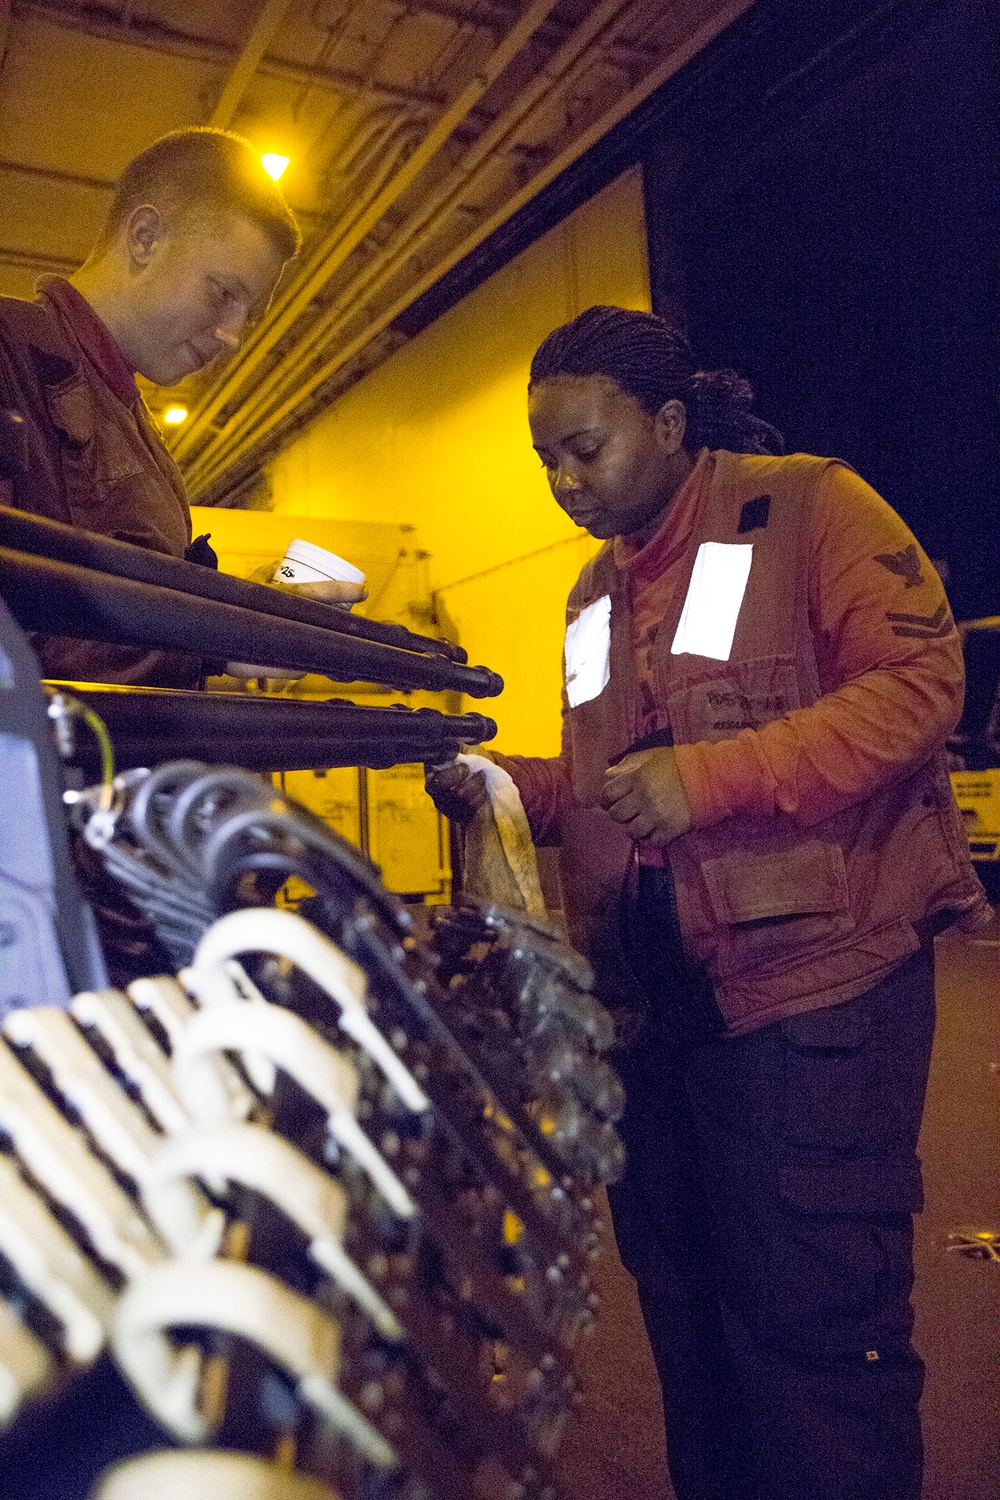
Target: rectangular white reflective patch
588, 652
714, 596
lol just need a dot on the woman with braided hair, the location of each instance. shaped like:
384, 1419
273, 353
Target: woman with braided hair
758, 843
653, 363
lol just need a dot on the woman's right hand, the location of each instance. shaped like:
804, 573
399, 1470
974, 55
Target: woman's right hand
455, 790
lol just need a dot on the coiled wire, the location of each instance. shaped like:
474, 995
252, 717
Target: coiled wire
183, 839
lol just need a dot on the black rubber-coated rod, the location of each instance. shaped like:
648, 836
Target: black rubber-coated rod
62, 599
150, 725
28, 533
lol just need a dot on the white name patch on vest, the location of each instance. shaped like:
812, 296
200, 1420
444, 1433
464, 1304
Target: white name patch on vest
588, 652
714, 597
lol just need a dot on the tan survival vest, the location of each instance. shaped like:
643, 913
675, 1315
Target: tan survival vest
783, 919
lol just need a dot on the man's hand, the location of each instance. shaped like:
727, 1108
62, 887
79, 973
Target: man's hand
456, 791
645, 794
343, 595
331, 591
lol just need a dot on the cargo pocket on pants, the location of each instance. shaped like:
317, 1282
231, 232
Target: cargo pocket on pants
828, 1101
842, 1265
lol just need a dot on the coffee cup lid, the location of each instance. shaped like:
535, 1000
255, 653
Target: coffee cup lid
323, 561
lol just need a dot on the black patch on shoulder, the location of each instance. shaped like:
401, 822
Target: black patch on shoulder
51, 369
754, 515
906, 564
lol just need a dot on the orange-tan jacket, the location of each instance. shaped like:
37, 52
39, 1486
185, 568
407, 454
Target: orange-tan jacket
825, 839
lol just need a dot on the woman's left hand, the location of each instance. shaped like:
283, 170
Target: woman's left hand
645, 794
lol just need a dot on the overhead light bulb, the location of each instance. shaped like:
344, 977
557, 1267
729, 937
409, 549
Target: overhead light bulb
273, 164
174, 415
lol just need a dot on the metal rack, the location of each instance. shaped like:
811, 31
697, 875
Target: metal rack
204, 612
149, 725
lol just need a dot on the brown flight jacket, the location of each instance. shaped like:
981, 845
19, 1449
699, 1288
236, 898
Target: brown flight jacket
95, 460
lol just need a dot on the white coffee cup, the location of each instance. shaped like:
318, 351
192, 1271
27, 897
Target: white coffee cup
304, 562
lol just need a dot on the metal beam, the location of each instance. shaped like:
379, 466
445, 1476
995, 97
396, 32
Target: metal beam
498, 18
64, 179
106, 24
269, 19
306, 216
344, 240
38, 260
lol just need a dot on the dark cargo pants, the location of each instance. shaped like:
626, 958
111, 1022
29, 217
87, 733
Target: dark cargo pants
765, 1214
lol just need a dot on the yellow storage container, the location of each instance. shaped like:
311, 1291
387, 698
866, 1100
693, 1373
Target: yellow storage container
978, 796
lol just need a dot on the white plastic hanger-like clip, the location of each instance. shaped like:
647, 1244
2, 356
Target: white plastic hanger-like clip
52, 1268
112, 1018
26, 1365
171, 1008
270, 930
313, 1200
286, 1041
58, 1157
212, 1475
296, 1334
116, 1124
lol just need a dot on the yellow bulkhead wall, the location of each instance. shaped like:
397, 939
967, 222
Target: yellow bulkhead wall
437, 438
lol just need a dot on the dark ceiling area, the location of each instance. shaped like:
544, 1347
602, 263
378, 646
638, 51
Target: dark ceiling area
831, 233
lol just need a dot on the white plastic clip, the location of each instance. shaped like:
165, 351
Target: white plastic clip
25, 1364
115, 1123
270, 930
206, 1476
57, 1155
312, 1199
135, 1052
300, 1338
317, 1067
169, 1004
52, 1266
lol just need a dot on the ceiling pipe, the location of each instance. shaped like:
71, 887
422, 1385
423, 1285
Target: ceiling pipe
269, 19
64, 179
677, 58
38, 260
338, 246
103, 23
561, 70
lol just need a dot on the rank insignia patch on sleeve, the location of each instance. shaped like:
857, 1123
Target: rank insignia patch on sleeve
906, 564
924, 627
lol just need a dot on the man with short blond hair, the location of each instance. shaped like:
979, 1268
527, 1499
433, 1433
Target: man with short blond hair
194, 242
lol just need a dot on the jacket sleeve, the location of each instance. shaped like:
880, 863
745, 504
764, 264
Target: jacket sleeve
40, 490
890, 666
544, 786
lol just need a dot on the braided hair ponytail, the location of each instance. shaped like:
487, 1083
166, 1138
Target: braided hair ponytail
653, 363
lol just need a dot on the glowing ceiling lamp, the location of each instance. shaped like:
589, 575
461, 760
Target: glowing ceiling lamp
175, 415
273, 164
